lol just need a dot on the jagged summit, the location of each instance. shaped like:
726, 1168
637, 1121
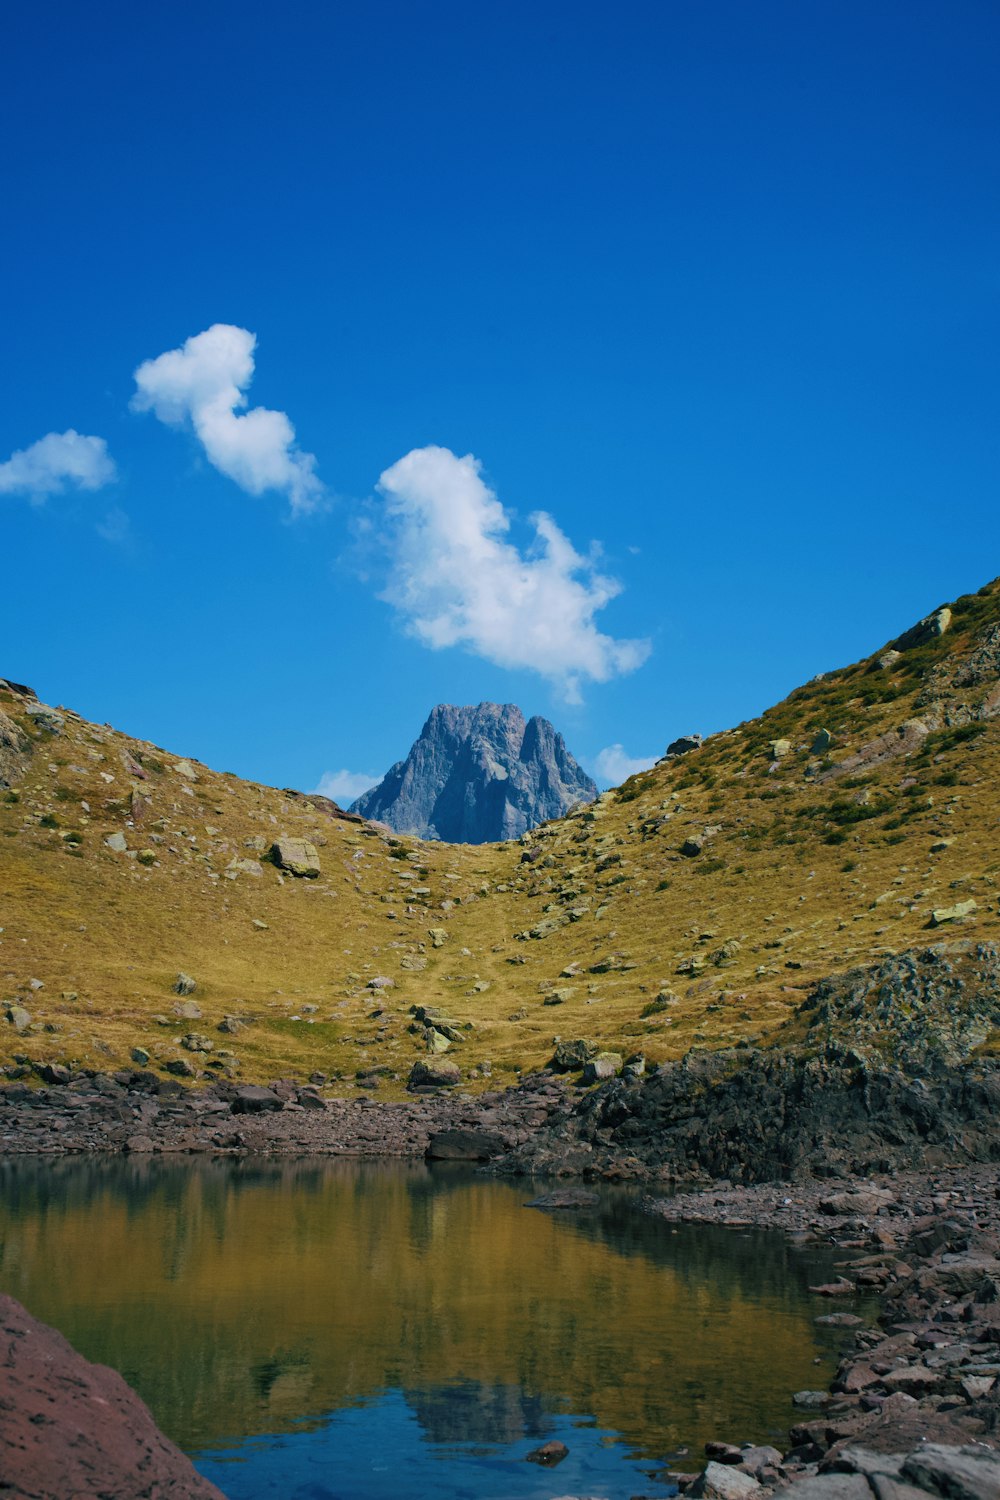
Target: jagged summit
478, 775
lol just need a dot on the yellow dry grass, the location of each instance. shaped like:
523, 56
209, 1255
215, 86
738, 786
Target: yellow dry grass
801, 877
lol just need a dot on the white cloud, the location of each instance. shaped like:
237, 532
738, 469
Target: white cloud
205, 382
56, 461
344, 786
457, 581
613, 765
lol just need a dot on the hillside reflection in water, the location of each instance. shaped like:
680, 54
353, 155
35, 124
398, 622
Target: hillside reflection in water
243, 1298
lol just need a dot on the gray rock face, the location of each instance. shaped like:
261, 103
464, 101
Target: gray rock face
571, 1056
969, 1472
924, 630
478, 775
14, 749
604, 1065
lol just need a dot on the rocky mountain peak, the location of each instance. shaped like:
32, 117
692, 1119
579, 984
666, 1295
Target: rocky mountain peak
478, 774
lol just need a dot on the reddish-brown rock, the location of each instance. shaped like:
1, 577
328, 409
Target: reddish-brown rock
69, 1428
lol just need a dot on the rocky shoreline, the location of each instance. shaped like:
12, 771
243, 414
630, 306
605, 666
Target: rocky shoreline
914, 1409
141, 1113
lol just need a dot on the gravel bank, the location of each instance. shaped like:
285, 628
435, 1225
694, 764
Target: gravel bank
914, 1409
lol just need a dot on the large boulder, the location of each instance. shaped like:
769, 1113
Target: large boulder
69, 1427
857, 1202
968, 1471
722, 1482
45, 718
463, 1145
434, 1074
297, 856
684, 745
942, 914
602, 1067
253, 1100
571, 1056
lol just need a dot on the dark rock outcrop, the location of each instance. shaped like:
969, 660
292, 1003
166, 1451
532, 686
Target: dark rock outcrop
68, 1427
683, 746
478, 775
889, 1071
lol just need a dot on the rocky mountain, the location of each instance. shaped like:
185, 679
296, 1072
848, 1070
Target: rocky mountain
478, 775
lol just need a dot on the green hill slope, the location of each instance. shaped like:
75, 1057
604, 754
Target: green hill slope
691, 907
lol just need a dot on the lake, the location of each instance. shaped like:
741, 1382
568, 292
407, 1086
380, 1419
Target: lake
317, 1329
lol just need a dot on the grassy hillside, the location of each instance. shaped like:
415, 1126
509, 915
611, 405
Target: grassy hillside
690, 907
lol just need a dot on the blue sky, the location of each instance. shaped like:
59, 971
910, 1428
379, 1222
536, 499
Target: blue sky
712, 287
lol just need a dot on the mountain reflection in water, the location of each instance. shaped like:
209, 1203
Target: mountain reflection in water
244, 1297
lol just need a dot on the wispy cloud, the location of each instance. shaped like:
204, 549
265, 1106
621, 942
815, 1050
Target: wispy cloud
614, 765
115, 527
205, 382
58, 461
344, 786
457, 581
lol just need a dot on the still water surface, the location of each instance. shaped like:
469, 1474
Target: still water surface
313, 1330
